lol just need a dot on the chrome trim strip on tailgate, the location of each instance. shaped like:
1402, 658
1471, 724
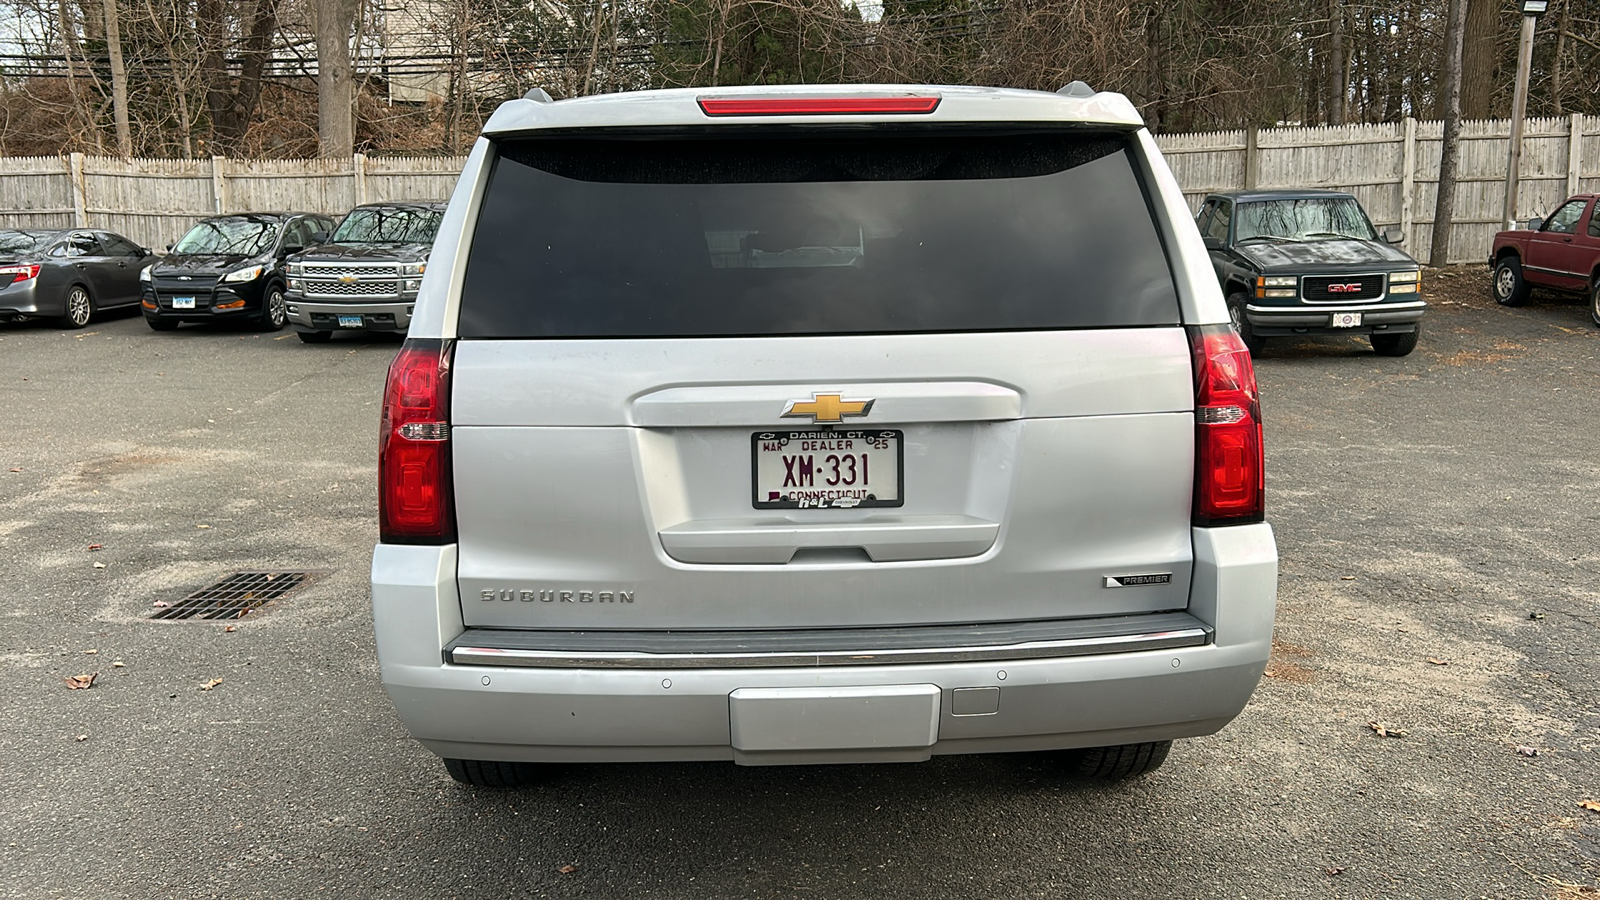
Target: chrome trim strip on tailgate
469, 649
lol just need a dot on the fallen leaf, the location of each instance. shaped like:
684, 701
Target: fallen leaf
81, 682
119, 664
1347, 578
1386, 731
18, 470
99, 565
160, 604
230, 629
1535, 616
1271, 673
1528, 751
91, 652
1438, 662
1333, 870
96, 547
567, 870
202, 526
210, 684
1591, 805
81, 738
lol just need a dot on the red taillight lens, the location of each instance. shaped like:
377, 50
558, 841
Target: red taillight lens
13, 274
818, 106
1229, 459
415, 494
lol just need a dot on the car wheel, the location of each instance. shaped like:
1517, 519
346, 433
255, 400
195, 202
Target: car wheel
1594, 300
1241, 324
1395, 344
492, 774
161, 324
1508, 286
1121, 761
80, 308
274, 311
315, 337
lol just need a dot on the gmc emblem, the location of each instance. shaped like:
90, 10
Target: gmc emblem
1352, 288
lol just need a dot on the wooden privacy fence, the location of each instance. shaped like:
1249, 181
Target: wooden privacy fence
154, 201
1393, 168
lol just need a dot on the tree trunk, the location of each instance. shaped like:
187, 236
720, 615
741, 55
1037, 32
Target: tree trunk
1338, 79
119, 80
1445, 207
336, 133
1480, 57
1555, 64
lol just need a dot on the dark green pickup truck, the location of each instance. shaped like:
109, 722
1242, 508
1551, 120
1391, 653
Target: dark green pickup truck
1310, 262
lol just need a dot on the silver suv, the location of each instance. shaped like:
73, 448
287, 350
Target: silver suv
821, 424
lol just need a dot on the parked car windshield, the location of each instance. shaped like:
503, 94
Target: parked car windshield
828, 234
1312, 219
388, 225
20, 241
229, 236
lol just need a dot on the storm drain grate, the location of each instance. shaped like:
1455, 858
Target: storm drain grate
235, 595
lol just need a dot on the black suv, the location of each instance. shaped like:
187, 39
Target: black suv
227, 268
1310, 262
365, 277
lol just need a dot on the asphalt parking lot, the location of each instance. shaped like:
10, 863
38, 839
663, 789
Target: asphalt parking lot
1438, 518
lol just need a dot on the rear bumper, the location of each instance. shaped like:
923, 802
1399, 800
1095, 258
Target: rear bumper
642, 714
22, 299
1305, 319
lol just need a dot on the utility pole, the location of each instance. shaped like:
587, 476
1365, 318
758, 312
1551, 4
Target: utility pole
1531, 10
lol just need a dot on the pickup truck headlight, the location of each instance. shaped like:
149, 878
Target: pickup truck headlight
1280, 281
250, 274
1277, 286
1405, 282
295, 270
144, 273
413, 270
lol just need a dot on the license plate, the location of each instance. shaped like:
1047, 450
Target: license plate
827, 469
1346, 320
183, 303
350, 322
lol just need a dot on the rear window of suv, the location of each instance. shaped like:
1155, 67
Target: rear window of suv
883, 233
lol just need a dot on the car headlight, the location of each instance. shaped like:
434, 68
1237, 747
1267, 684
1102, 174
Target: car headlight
144, 273
250, 274
295, 270
1280, 281
413, 269
1397, 277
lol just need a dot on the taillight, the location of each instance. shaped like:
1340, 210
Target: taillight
817, 106
1229, 460
12, 274
415, 494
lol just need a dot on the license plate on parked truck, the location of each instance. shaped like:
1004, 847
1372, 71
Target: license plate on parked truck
826, 469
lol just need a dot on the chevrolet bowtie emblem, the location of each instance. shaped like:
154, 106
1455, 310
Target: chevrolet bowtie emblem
348, 279
826, 408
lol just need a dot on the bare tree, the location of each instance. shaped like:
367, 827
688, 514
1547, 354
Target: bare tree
1445, 205
119, 79
334, 22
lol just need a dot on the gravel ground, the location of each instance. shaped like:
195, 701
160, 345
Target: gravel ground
1437, 516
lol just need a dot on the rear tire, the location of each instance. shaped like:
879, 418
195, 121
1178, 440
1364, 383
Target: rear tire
491, 773
1395, 344
1241, 324
80, 308
1594, 300
1121, 761
315, 337
1507, 285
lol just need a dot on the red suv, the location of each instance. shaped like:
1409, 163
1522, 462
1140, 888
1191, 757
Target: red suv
1561, 253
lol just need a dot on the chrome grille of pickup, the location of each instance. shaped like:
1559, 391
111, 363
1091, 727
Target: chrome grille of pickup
325, 270
320, 288
1341, 288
